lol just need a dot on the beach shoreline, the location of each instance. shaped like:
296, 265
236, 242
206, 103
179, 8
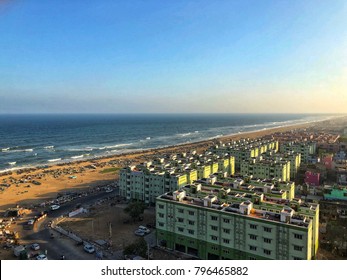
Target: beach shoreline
61, 162
83, 174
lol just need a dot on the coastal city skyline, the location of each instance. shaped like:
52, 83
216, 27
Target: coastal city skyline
177, 57
170, 132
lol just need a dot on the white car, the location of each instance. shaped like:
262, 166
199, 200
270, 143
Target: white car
89, 248
144, 229
42, 257
55, 207
35, 246
31, 222
139, 232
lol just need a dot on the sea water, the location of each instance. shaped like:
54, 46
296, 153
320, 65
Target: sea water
30, 140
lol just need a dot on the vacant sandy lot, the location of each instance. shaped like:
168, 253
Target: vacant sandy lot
95, 225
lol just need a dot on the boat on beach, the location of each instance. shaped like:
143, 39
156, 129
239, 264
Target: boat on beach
12, 163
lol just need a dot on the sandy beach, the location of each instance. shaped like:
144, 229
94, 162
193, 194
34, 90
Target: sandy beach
36, 185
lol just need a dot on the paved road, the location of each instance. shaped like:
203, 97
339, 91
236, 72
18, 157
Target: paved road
61, 245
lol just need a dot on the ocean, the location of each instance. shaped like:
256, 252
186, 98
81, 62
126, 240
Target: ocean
32, 140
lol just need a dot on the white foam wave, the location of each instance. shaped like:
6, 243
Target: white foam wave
76, 157
118, 145
184, 134
88, 149
54, 160
48, 147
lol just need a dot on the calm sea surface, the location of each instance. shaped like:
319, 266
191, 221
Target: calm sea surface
27, 140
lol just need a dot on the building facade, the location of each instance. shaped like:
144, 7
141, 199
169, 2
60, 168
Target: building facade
204, 224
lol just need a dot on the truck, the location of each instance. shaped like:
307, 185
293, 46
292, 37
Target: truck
20, 251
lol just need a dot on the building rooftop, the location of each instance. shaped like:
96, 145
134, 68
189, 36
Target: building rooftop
286, 214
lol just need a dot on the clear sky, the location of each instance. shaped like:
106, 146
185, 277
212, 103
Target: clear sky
113, 56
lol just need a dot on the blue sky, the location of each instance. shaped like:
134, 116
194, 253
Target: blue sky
173, 56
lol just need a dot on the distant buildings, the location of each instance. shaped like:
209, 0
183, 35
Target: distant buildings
312, 178
245, 149
306, 149
266, 169
335, 193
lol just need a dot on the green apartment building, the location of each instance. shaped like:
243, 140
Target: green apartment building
198, 220
306, 149
294, 158
266, 169
146, 181
245, 149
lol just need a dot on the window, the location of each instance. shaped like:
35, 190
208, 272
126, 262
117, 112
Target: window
191, 213
191, 222
253, 248
267, 229
298, 248
252, 258
226, 241
225, 251
180, 210
253, 226
161, 215
214, 218
296, 258
227, 221
180, 229
226, 230
214, 228
253, 237
190, 231
267, 240
161, 224
161, 206
267, 252
180, 220
214, 248
297, 236
213, 237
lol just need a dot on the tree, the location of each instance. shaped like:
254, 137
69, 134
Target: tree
135, 209
138, 248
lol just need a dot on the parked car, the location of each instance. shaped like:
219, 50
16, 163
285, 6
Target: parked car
42, 257
55, 207
35, 246
89, 248
31, 222
144, 229
139, 232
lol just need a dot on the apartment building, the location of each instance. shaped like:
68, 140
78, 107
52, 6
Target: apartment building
306, 149
244, 149
264, 169
217, 222
148, 180
292, 157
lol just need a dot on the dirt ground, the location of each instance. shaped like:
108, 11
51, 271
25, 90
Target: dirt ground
95, 225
